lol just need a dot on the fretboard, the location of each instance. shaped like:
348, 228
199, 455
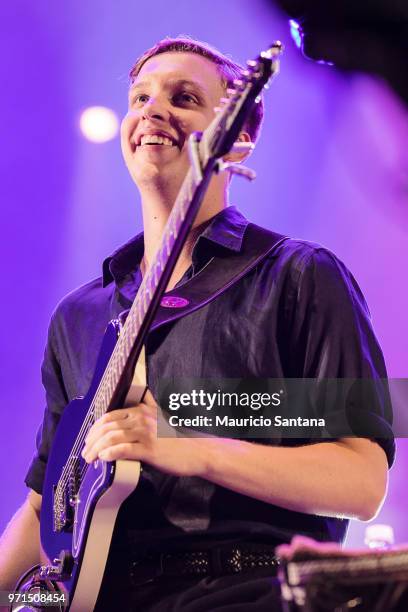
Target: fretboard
140, 307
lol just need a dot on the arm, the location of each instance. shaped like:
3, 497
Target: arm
346, 478
341, 478
20, 542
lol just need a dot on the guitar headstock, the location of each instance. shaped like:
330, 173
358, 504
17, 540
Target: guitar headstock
218, 139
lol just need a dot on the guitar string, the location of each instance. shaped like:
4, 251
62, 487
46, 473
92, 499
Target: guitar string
123, 340
65, 475
69, 466
105, 385
173, 227
91, 413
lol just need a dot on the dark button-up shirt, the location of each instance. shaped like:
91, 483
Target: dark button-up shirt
299, 313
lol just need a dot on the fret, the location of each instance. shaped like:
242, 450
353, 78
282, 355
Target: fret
121, 360
154, 270
167, 245
128, 341
159, 267
171, 242
97, 410
138, 316
144, 301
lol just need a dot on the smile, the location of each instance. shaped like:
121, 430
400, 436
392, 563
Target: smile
154, 139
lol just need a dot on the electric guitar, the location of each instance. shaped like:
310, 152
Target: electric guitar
81, 501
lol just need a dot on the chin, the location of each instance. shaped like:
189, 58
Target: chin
165, 174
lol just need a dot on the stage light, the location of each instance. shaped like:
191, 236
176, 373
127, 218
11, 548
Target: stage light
99, 124
296, 32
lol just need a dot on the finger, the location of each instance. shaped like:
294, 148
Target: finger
97, 431
127, 413
300, 543
123, 451
113, 434
284, 551
141, 415
113, 438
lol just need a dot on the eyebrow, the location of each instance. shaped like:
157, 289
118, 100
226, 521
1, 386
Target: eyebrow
172, 83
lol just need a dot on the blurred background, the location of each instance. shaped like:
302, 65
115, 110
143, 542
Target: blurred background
332, 167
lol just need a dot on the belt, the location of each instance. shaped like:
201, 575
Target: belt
214, 562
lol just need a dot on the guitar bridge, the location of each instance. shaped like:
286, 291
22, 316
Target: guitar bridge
65, 497
59, 509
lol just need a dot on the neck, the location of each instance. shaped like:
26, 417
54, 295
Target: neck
156, 208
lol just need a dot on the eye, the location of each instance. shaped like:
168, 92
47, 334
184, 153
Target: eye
140, 98
184, 97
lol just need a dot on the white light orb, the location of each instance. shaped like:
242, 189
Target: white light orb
99, 124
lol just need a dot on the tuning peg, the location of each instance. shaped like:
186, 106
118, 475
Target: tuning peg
237, 169
239, 147
274, 50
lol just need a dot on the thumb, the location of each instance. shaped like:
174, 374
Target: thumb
149, 399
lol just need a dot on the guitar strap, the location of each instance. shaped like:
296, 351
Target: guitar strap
217, 276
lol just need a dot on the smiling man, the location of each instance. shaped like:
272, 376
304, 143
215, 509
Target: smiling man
172, 95
200, 530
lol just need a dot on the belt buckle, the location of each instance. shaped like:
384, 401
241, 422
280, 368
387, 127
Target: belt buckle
141, 570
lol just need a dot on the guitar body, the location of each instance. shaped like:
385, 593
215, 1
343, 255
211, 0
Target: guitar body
77, 532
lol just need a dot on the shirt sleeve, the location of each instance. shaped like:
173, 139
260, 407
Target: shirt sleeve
56, 400
332, 339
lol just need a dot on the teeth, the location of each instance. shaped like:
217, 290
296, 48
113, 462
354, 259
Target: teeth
155, 139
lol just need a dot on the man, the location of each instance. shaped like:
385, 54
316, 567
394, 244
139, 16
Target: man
297, 314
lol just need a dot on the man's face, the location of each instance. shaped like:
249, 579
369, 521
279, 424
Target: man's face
173, 95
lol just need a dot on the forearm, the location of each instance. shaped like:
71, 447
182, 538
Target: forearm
340, 478
19, 545
332, 479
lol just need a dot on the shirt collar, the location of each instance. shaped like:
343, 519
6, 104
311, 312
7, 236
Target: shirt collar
226, 229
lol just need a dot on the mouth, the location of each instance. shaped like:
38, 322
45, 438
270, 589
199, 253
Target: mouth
155, 140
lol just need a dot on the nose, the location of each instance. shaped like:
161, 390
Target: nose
155, 108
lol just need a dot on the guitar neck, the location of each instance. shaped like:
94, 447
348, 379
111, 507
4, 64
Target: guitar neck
153, 286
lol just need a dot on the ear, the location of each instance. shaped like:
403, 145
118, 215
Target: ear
240, 156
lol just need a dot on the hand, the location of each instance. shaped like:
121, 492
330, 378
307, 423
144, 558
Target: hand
131, 433
302, 544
